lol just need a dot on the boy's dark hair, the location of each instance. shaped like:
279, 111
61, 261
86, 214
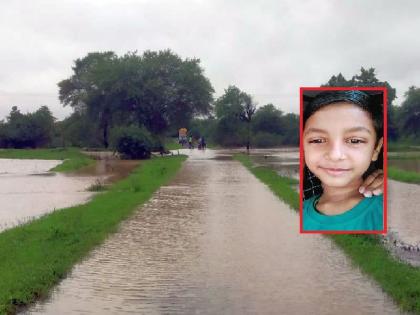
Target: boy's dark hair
371, 102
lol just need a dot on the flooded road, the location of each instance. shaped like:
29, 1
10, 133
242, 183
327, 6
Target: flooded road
28, 190
215, 241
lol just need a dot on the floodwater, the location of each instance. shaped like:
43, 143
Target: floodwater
108, 170
215, 241
284, 161
28, 190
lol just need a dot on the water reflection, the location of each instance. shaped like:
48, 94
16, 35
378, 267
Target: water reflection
215, 241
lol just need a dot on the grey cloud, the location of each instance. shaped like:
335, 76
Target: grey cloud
267, 48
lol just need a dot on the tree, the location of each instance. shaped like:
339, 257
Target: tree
78, 130
158, 90
88, 89
42, 123
290, 124
173, 91
27, 130
268, 119
248, 110
233, 109
410, 112
338, 80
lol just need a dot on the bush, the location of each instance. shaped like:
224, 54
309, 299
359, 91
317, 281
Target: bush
132, 142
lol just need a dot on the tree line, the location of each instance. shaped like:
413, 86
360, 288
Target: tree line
154, 94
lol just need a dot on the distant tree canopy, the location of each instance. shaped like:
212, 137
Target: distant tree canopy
367, 77
141, 98
239, 122
157, 89
29, 130
409, 114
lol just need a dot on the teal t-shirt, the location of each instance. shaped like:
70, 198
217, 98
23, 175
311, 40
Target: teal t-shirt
366, 215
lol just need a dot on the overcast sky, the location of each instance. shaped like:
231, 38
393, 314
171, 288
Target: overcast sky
266, 48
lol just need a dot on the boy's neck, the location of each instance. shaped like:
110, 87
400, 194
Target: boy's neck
336, 200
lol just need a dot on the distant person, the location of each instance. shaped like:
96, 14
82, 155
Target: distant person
203, 143
190, 142
342, 140
200, 144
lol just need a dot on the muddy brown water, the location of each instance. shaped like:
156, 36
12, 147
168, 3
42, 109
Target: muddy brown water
28, 190
108, 170
215, 241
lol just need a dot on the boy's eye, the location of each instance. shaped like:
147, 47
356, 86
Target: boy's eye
318, 140
355, 141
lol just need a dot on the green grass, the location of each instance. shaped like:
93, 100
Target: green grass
36, 256
402, 147
403, 176
404, 156
399, 280
73, 158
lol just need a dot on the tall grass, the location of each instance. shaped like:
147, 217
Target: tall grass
399, 280
36, 256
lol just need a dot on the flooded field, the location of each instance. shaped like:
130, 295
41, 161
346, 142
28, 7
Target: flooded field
284, 161
28, 190
215, 241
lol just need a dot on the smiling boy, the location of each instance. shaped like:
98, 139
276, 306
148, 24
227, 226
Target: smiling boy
342, 137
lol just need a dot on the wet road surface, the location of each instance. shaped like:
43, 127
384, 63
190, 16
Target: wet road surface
404, 210
215, 241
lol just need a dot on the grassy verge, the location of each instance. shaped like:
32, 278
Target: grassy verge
34, 257
402, 147
399, 280
73, 158
403, 176
404, 155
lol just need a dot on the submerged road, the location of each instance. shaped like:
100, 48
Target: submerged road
215, 241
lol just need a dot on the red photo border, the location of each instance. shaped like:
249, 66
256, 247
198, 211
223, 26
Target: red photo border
385, 153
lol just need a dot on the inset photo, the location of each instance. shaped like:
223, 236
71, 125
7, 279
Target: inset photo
343, 160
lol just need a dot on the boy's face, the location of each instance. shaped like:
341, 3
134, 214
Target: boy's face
339, 144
